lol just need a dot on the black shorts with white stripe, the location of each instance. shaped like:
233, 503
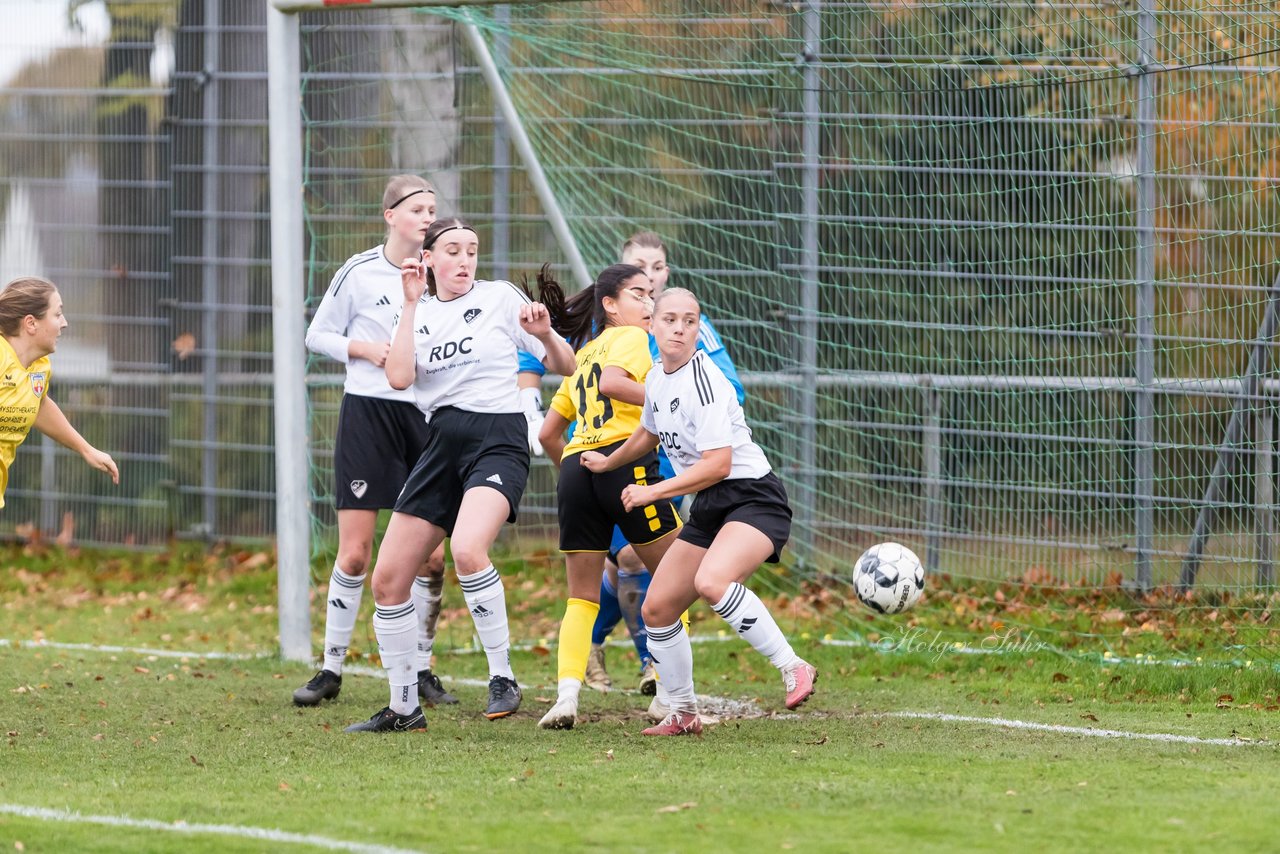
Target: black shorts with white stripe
760, 502
465, 450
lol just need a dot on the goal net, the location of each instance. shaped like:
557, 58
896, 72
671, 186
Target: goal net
1000, 278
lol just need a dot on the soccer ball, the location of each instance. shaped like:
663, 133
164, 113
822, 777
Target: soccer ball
888, 578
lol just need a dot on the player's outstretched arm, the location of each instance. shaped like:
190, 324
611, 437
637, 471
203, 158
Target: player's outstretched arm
51, 421
713, 467
551, 435
640, 443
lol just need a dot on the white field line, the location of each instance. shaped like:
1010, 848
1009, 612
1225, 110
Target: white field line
136, 650
263, 833
723, 706
1069, 730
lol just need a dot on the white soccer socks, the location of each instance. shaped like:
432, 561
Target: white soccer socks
748, 616
396, 627
487, 603
340, 617
672, 655
427, 593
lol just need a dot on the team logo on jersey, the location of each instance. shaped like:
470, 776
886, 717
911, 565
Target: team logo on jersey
675, 404
470, 314
359, 488
37, 383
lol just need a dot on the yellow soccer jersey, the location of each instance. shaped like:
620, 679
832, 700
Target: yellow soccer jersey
21, 392
602, 421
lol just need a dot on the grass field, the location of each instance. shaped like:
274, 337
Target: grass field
204, 740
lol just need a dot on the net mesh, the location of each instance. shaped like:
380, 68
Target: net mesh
999, 277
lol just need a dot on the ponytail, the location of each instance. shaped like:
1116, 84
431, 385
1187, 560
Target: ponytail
583, 316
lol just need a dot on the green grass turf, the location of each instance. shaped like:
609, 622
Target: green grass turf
217, 741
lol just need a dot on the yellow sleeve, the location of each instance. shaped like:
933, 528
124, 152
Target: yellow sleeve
630, 351
563, 402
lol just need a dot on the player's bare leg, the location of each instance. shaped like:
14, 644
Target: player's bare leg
428, 592
670, 595
582, 570
346, 588
408, 543
737, 552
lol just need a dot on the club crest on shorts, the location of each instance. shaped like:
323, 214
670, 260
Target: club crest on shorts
37, 383
359, 488
470, 314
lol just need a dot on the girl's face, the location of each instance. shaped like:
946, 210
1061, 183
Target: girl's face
453, 261
675, 327
48, 327
633, 306
409, 220
652, 261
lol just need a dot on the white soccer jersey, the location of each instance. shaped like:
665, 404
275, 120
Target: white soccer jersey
695, 409
466, 348
362, 304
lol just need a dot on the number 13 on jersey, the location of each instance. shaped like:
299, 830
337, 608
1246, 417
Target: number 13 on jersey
593, 407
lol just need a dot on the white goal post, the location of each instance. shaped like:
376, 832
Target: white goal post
288, 273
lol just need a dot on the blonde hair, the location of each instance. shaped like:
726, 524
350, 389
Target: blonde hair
684, 292
27, 295
400, 187
645, 240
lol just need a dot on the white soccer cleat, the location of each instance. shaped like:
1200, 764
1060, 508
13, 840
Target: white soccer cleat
563, 715
658, 711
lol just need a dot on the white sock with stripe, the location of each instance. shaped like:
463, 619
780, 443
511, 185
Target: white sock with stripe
427, 593
672, 656
396, 627
340, 617
487, 602
748, 616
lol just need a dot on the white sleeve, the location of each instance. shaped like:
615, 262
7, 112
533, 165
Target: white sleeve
646, 409
715, 397
327, 334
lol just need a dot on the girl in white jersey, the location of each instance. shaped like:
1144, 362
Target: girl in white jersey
739, 520
455, 345
380, 433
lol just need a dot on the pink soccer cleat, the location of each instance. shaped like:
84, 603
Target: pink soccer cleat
798, 681
677, 723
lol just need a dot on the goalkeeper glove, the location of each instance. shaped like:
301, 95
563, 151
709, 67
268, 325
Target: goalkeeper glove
531, 401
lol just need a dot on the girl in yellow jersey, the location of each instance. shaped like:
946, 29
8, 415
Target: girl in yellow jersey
30, 322
608, 325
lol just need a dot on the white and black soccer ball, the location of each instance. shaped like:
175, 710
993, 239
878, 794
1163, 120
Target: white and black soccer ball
888, 578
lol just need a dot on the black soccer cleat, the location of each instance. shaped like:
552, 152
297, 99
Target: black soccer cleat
325, 685
432, 692
504, 698
389, 721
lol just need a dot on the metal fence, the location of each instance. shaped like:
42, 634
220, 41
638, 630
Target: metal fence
1006, 357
